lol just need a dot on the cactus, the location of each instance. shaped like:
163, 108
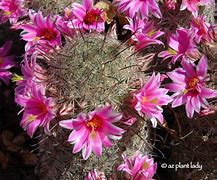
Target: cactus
91, 70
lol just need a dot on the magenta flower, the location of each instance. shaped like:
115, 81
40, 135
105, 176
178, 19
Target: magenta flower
38, 111
87, 17
150, 98
12, 10
93, 130
138, 167
136, 25
148, 36
189, 86
6, 62
143, 7
193, 5
95, 175
201, 27
181, 45
41, 31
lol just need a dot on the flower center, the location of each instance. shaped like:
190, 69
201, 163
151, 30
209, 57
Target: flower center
193, 82
145, 165
95, 122
92, 16
42, 108
48, 34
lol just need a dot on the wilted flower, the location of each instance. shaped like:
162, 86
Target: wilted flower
150, 98
6, 62
189, 86
95, 175
87, 17
41, 31
131, 7
12, 10
138, 167
192, 5
92, 130
38, 111
201, 27
181, 45
30, 70
170, 4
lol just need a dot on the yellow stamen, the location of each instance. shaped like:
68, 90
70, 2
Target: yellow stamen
7, 13
16, 78
31, 118
154, 101
36, 38
150, 33
68, 12
184, 91
145, 165
145, 99
171, 51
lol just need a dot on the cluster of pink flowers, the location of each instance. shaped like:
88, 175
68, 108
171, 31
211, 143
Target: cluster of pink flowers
11, 10
91, 131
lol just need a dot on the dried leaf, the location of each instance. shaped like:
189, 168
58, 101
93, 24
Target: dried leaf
108, 8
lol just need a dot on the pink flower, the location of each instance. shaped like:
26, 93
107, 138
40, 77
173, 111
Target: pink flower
95, 175
87, 17
62, 25
136, 25
41, 31
201, 27
189, 86
93, 130
181, 45
12, 10
148, 36
143, 7
138, 167
192, 5
144, 32
30, 70
150, 98
6, 62
38, 111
